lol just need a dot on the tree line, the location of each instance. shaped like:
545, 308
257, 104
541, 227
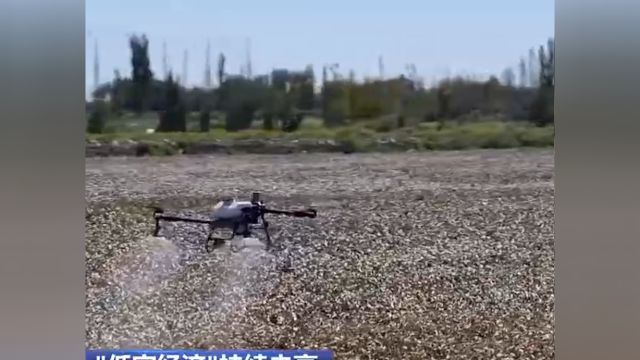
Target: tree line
282, 98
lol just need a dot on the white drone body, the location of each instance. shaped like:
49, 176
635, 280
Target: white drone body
229, 209
228, 214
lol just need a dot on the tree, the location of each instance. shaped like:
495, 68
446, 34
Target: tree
509, 77
292, 122
533, 73
174, 117
306, 91
444, 101
277, 107
280, 79
242, 98
547, 64
335, 98
116, 94
523, 73
488, 90
207, 67
400, 121
141, 73
98, 117
334, 115
205, 119
352, 76
221, 73
267, 121
542, 107
239, 116
324, 75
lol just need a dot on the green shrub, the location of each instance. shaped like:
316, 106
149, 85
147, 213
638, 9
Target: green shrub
363, 136
501, 140
239, 117
401, 121
379, 125
536, 136
354, 138
452, 143
205, 121
159, 149
98, 118
267, 122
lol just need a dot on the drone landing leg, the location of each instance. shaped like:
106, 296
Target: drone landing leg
217, 242
265, 226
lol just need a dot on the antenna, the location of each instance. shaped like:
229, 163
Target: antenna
381, 67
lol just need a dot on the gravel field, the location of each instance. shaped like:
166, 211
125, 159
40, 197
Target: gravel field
412, 256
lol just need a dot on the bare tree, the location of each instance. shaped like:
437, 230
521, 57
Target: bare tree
509, 77
207, 67
165, 62
221, 65
185, 67
523, 73
381, 68
248, 67
96, 67
533, 68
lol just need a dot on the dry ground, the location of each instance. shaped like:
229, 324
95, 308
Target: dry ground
412, 256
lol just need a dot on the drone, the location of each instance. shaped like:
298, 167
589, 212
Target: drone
241, 217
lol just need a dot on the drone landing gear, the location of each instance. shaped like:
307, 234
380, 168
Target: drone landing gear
213, 242
265, 228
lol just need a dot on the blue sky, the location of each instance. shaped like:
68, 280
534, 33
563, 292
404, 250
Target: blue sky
439, 37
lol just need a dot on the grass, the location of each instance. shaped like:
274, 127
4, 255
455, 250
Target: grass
372, 135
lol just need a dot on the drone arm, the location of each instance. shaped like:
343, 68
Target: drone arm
183, 219
309, 213
158, 216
